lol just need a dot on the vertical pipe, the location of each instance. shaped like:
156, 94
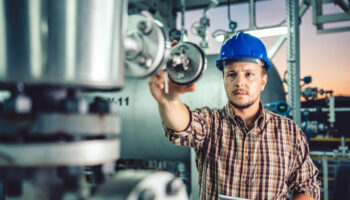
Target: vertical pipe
331, 111
293, 59
183, 30
325, 176
252, 24
101, 26
342, 147
34, 19
317, 11
194, 178
3, 43
70, 21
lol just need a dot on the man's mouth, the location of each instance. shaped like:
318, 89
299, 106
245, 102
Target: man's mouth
240, 92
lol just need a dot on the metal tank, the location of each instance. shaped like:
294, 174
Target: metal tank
274, 90
69, 43
50, 51
142, 132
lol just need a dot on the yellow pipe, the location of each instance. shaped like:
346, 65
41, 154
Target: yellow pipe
318, 139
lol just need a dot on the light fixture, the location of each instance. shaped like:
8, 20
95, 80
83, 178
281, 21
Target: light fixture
220, 37
268, 32
263, 32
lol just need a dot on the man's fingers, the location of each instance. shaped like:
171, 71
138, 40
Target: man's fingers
152, 81
156, 81
192, 87
160, 74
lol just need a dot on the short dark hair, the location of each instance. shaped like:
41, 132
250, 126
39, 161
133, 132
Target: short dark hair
263, 69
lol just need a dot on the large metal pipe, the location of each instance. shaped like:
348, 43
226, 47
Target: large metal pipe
66, 43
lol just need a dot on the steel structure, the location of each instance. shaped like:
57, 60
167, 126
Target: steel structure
292, 19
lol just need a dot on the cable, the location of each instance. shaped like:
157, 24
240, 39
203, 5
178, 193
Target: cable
232, 24
228, 10
219, 32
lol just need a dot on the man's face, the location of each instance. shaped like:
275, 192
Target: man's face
244, 82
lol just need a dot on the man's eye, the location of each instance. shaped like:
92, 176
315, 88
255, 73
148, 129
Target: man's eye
250, 74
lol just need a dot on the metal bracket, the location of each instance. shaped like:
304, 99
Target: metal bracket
319, 19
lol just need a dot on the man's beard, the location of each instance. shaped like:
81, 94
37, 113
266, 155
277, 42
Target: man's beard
243, 106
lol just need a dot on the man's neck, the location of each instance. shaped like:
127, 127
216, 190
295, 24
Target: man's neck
248, 115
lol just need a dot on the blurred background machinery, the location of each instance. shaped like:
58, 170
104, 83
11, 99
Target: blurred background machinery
54, 142
77, 120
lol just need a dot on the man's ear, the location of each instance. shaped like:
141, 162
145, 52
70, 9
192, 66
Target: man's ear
263, 82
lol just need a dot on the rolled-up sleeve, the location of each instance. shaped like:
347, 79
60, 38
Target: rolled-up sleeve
196, 132
304, 178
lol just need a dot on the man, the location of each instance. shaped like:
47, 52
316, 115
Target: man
242, 150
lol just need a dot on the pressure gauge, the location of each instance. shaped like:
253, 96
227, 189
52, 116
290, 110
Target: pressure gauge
186, 63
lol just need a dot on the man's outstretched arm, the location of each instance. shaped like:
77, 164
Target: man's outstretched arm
173, 112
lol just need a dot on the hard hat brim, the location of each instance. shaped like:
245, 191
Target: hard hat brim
220, 63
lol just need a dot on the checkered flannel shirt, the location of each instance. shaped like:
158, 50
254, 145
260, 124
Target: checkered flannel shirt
261, 163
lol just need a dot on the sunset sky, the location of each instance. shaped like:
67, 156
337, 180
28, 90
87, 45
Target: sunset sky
325, 57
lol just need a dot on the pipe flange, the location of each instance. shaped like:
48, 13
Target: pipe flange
146, 42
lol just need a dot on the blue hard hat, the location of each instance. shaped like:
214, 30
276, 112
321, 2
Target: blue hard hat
243, 47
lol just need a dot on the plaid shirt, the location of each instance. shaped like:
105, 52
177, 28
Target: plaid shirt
262, 163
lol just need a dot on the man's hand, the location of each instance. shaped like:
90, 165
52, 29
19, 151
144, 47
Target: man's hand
173, 112
157, 84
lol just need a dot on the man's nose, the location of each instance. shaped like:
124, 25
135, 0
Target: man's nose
239, 80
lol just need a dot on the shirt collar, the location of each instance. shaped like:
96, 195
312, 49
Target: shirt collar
260, 121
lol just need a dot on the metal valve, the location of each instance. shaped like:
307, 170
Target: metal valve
146, 52
144, 46
186, 63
